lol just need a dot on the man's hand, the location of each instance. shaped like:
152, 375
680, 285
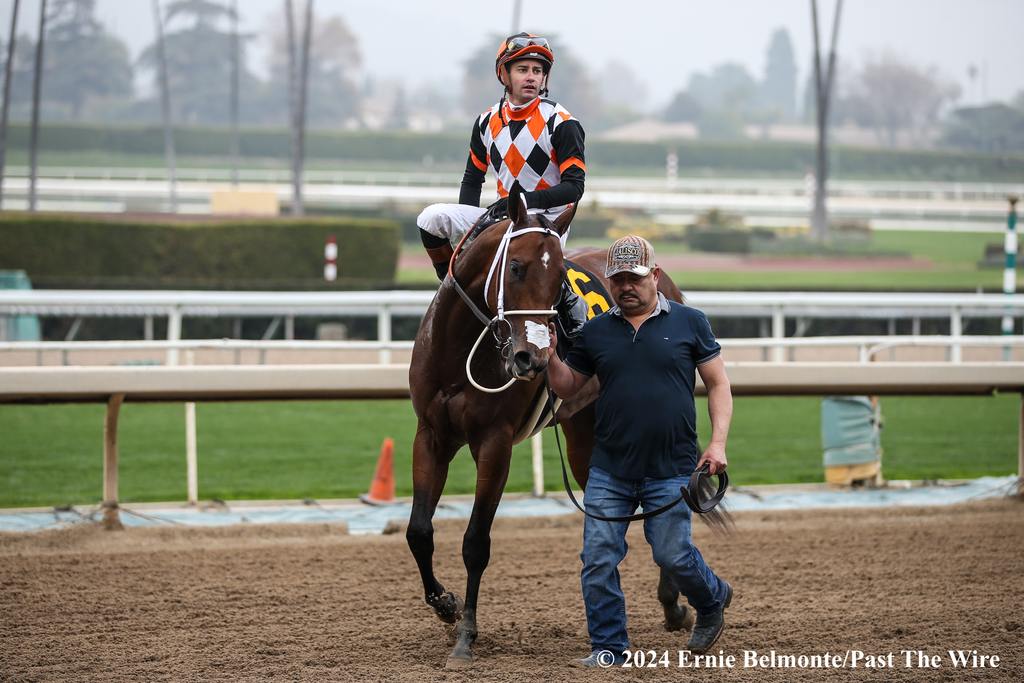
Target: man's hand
715, 457
552, 340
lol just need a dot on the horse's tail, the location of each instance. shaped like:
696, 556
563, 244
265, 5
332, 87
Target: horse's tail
719, 520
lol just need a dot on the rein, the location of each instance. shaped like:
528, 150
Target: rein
498, 265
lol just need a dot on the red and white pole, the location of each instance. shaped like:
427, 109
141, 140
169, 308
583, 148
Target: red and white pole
331, 259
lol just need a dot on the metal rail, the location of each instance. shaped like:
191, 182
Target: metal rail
774, 309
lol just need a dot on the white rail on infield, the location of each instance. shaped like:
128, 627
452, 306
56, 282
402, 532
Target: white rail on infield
867, 348
772, 309
114, 385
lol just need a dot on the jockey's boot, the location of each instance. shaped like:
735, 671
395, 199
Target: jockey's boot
572, 311
439, 250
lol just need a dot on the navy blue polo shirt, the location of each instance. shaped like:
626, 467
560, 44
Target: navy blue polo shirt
646, 420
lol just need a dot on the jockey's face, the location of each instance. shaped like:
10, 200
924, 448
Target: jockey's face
525, 78
634, 294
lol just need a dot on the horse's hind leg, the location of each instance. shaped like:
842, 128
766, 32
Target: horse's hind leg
492, 463
429, 472
677, 617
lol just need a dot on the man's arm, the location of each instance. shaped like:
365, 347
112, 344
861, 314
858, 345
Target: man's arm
712, 373
564, 380
476, 169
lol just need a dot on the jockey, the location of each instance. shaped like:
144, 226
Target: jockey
524, 137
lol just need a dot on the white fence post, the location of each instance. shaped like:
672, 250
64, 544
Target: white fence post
191, 449
956, 330
384, 333
537, 452
778, 332
173, 333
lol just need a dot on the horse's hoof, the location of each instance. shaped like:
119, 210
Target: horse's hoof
460, 661
448, 607
678, 618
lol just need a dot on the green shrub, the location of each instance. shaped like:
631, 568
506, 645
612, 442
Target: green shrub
719, 239
105, 252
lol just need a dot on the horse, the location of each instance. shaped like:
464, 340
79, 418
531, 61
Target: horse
514, 268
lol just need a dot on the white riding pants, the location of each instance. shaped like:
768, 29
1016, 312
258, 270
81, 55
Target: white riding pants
452, 221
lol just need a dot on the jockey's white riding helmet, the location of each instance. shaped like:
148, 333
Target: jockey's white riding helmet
524, 46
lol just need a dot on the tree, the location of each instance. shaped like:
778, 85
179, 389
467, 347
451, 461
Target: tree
198, 60
480, 87
892, 95
160, 50
334, 65
37, 88
5, 106
683, 107
729, 87
778, 90
994, 128
83, 60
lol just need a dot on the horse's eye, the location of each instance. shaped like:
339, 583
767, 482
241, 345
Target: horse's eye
515, 269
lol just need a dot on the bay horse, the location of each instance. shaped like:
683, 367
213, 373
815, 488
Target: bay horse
513, 268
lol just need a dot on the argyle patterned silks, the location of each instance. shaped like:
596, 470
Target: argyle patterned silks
521, 146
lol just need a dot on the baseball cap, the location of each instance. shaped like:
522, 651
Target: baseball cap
632, 254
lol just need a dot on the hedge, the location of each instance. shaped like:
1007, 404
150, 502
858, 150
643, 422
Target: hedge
133, 252
406, 147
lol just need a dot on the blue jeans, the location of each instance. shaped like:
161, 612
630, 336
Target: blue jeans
604, 546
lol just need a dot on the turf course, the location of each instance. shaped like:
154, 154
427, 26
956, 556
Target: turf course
52, 455
954, 266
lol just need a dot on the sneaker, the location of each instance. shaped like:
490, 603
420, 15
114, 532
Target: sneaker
598, 659
709, 627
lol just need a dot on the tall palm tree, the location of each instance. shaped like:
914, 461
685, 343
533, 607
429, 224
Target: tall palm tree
823, 92
165, 108
235, 72
37, 87
298, 82
8, 68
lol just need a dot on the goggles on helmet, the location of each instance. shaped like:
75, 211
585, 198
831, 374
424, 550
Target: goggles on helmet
516, 43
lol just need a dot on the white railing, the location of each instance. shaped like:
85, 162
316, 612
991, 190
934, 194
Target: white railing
772, 308
867, 348
890, 189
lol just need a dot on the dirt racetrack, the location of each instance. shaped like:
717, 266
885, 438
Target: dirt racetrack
309, 603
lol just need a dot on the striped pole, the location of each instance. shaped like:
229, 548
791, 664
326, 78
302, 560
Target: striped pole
1010, 270
331, 259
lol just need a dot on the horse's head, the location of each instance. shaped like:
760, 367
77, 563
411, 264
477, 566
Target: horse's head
526, 284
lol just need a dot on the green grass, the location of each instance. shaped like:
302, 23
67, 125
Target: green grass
954, 266
51, 455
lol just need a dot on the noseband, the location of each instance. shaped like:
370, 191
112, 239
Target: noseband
493, 324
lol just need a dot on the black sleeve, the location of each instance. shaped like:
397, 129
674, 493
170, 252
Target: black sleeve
568, 143
473, 177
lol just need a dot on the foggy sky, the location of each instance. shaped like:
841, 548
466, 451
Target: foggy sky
663, 41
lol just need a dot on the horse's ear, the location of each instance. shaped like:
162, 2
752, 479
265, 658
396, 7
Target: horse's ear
516, 209
564, 219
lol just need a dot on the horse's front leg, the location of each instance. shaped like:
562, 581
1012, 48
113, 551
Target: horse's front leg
492, 455
429, 472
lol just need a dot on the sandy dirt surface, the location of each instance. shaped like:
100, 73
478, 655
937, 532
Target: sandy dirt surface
312, 603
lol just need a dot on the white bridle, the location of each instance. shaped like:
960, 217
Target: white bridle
498, 265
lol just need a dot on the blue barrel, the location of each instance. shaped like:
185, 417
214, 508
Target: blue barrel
17, 327
850, 430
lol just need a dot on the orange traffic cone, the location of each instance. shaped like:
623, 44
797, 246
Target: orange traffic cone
382, 488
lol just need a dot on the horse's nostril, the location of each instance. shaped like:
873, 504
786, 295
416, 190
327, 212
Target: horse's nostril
522, 361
